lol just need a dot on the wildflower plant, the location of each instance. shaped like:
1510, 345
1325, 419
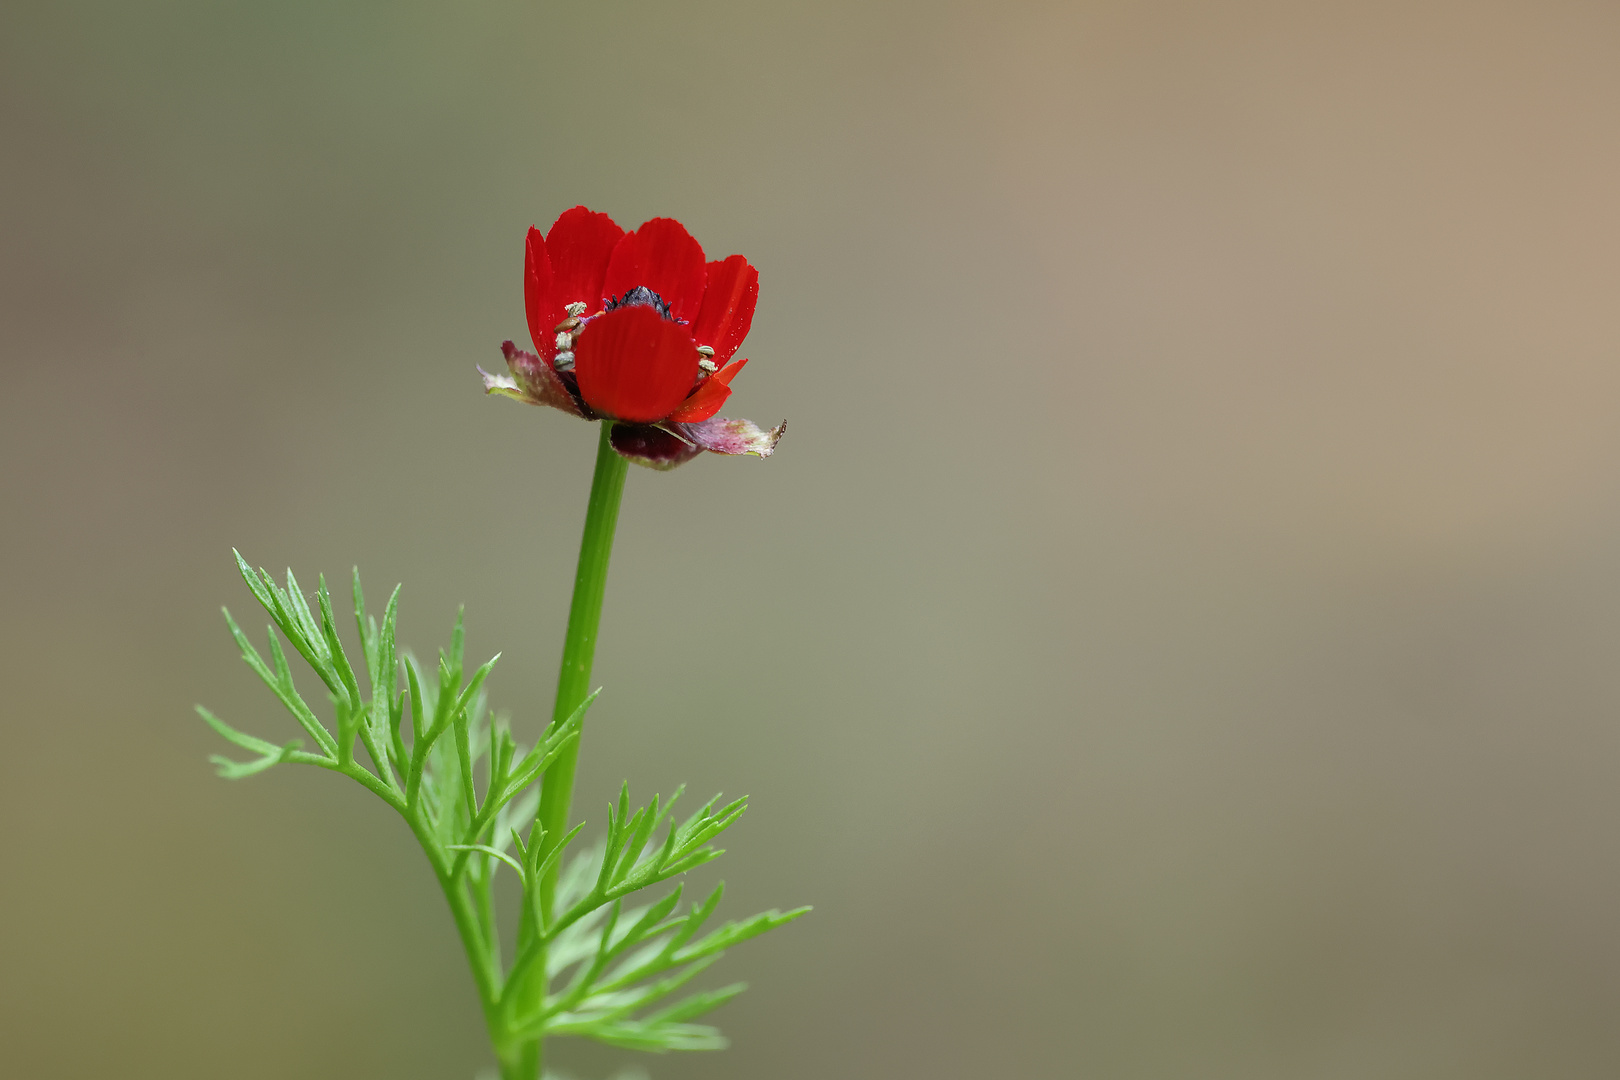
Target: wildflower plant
637, 332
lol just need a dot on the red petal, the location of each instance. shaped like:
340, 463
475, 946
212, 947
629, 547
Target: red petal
662, 256
726, 374
728, 306
634, 365
540, 299
704, 402
580, 244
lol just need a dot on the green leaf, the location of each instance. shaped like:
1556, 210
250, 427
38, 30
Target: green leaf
396, 741
657, 1039
280, 683
695, 1005
365, 626
650, 923
284, 609
487, 850
334, 647
477, 681
620, 958
270, 753
264, 594
246, 742
380, 648
556, 852
603, 1009
725, 936
536, 761
516, 812
236, 770
298, 609
464, 755
419, 704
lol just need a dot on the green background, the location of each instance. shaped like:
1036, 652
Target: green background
1177, 637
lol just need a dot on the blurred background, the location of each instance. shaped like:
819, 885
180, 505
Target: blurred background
1177, 637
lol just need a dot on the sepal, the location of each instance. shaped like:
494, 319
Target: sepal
653, 447
723, 436
532, 381
501, 384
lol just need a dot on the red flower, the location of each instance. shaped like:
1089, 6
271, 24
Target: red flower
637, 330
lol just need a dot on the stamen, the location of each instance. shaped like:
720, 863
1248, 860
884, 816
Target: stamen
565, 340
577, 308
570, 322
563, 361
708, 365
705, 351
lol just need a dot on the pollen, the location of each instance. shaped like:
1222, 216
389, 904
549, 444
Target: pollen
577, 308
565, 340
708, 365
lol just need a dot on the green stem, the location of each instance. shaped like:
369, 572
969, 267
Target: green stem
573, 683
579, 648
524, 1067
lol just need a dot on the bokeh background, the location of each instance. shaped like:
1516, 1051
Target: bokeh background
1177, 638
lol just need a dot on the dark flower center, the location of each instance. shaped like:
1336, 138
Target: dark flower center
641, 296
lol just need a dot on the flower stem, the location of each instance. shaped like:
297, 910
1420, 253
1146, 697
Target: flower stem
573, 680
579, 648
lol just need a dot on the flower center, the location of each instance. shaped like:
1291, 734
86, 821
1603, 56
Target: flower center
641, 296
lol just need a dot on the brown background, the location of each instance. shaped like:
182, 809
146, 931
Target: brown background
1177, 637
